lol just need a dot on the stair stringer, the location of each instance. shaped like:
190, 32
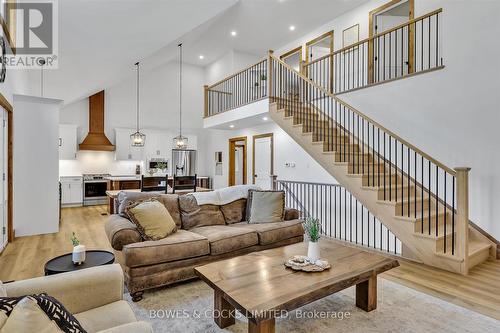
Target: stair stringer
423, 249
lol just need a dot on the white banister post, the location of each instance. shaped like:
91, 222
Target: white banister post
462, 218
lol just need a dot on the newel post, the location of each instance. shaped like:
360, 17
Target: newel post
270, 74
205, 94
462, 218
274, 183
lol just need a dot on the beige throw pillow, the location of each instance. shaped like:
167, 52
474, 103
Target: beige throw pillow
265, 206
28, 317
153, 220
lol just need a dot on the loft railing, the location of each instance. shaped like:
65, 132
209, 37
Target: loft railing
409, 48
341, 215
247, 86
423, 188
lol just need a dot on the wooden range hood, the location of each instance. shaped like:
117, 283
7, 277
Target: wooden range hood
96, 139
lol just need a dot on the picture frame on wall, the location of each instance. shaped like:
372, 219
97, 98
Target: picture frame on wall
350, 36
8, 22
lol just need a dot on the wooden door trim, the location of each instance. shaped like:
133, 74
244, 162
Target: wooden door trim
232, 144
10, 146
317, 39
260, 136
292, 52
371, 33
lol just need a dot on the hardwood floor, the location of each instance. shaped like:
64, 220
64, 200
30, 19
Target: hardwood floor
479, 291
25, 257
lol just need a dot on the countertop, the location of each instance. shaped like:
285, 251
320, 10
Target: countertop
114, 193
124, 178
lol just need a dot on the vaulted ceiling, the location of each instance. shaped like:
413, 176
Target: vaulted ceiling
99, 40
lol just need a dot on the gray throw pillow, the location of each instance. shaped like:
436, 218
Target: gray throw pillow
265, 206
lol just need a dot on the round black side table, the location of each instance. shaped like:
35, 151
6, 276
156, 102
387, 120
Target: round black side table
64, 263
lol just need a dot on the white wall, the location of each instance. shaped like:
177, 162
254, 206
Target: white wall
36, 191
228, 64
452, 114
285, 150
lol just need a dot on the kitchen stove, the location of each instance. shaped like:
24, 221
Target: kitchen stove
94, 189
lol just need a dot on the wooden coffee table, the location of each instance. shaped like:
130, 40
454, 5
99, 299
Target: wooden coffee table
260, 286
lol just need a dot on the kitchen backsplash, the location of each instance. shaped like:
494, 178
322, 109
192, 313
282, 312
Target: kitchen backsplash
97, 162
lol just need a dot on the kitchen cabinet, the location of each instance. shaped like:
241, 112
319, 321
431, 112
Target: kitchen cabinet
158, 144
67, 141
71, 191
124, 150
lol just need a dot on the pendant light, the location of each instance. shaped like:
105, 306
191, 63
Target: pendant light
137, 139
180, 142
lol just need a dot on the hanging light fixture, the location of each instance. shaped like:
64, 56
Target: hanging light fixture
180, 142
137, 139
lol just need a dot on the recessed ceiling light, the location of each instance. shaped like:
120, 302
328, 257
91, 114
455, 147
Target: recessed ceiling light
231, 126
265, 118
233, 33
292, 28
201, 57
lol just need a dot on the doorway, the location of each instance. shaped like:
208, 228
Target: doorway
4, 204
263, 160
384, 18
320, 47
237, 161
293, 58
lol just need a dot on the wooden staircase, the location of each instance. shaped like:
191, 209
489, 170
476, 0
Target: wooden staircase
433, 230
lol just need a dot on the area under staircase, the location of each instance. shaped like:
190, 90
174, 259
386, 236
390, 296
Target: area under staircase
419, 199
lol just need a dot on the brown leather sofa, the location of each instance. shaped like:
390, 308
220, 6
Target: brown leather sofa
150, 264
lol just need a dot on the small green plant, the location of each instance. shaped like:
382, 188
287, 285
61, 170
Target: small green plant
74, 240
263, 77
312, 228
161, 165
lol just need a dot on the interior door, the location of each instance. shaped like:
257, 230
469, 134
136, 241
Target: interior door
389, 61
3, 172
263, 160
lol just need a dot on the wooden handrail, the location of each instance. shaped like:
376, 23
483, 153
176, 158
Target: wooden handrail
374, 36
219, 92
362, 115
235, 74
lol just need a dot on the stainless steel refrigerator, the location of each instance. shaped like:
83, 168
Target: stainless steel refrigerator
183, 162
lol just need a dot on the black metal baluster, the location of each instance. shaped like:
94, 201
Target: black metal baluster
408, 178
453, 216
444, 211
437, 199
385, 163
429, 208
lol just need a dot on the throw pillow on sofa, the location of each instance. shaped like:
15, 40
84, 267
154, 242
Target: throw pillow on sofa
152, 219
37, 313
234, 212
265, 206
194, 215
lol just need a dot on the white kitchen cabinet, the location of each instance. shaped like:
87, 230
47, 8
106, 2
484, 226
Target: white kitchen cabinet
124, 150
71, 191
158, 144
67, 141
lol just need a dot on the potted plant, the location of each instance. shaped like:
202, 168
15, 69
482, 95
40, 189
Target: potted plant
312, 228
78, 256
162, 166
